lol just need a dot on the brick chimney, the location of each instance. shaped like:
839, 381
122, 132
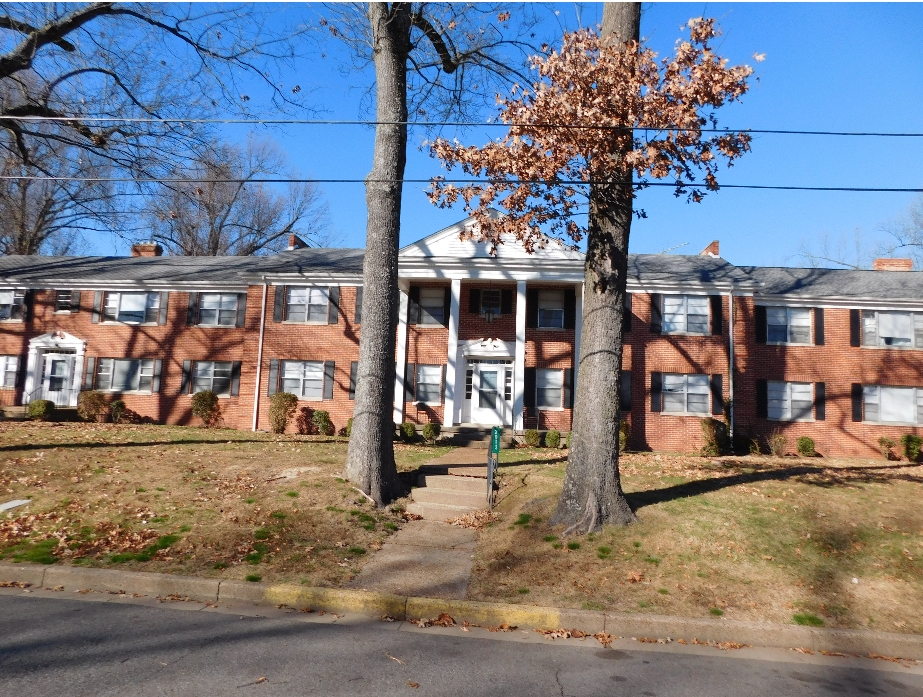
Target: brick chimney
146, 249
295, 242
711, 250
890, 264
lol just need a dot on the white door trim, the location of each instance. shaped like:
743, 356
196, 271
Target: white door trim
47, 343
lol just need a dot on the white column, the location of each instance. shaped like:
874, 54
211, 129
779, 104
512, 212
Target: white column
519, 364
451, 367
578, 330
400, 357
32, 369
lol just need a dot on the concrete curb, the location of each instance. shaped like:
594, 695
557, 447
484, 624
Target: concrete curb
853, 642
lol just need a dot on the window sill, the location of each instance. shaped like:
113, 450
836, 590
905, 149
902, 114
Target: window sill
892, 348
220, 396
429, 326
142, 393
786, 343
698, 334
116, 323
699, 414
549, 408
315, 323
220, 326
791, 421
11, 321
63, 312
904, 424
552, 329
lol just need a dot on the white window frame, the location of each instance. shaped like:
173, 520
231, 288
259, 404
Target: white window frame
429, 376
781, 402
143, 375
685, 385
316, 297
872, 397
222, 303
872, 319
683, 313
432, 299
549, 381
17, 298
112, 307
9, 366
551, 303
66, 310
306, 374
206, 373
791, 315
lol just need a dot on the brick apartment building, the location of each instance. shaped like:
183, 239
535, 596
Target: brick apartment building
484, 340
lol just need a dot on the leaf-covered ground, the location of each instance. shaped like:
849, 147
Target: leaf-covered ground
754, 538
220, 503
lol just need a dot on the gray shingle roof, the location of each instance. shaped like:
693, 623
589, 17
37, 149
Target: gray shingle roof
836, 283
683, 268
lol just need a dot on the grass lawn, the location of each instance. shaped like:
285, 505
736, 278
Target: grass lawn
752, 538
218, 503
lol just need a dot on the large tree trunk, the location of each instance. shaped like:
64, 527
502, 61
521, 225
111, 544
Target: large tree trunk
592, 495
370, 458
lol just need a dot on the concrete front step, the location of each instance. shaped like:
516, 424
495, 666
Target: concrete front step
444, 481
439, 511
450, 497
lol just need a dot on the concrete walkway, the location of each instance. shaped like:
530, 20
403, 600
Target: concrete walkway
425, 558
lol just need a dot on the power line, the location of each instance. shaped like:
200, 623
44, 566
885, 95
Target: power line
460, 124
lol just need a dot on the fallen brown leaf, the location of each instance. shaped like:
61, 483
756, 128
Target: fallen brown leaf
410, 683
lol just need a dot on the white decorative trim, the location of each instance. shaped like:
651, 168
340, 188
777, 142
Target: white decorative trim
519, 365
46, 343
400, 358
451, 370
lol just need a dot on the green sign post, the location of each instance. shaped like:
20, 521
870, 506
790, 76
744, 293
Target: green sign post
493, 455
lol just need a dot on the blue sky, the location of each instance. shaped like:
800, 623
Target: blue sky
846, 67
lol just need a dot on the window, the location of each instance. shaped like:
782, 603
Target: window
896, 329
429, 384
549, 389
685, 313
132, 308
218, 309
125, 375
788, 325
62, 300
306, 304
899, 405
212, 375
304, 379
11, 302
685, 393
490, 301
8, 367
551, 309
790, 401
432, 306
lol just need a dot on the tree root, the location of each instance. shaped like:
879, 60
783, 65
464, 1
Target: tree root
587, 522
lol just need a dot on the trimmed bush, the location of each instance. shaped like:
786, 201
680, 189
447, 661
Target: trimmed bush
117, 410
624, 430
92, 406
323, 426
570, 436
716, 440
282, 407
885, 445
431, 432
777, 443
349, 427
806, 447
41, 410
408, 432
206, 407
553, 439
532, 438
911, 446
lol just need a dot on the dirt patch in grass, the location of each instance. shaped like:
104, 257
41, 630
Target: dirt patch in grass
222, 503
754, 538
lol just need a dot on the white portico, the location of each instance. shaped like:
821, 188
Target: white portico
486, 304
54, 368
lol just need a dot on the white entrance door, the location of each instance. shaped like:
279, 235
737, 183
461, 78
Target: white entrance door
57, 378
488, 405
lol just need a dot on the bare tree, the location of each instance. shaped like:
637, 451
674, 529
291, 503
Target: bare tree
223, 209
906, 234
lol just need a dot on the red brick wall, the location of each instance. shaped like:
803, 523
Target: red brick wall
549, 348
429, 345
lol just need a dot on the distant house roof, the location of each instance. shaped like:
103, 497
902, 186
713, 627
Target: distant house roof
846, 284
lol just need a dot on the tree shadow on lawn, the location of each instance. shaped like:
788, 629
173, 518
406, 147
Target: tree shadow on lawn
534, 461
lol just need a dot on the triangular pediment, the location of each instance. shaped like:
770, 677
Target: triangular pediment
57, 339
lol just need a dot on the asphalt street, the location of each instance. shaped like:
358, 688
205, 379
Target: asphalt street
100, 645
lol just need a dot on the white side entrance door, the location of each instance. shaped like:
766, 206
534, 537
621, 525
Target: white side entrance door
488, 405
57, 378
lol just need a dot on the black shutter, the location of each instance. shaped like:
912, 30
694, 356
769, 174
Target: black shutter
186, 384
656, 392
626, 314
820, 401
155, 380
164, 299
506, 301
818, 326
759, 316
192, 310
357, 317
717, 314
762, 399
855, 334
625, 390
97, 306
856, 400
278, 307
28, 302
474, 301
532, 309
21, 372
717, 392
413, 306
570, 308
273, 386
235, 378
410, 382
241, 309
329, 367
568, 388
333, 304
447, 306
442, 392
353, 375
75, 301
656, 313
89, 377
528, 387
